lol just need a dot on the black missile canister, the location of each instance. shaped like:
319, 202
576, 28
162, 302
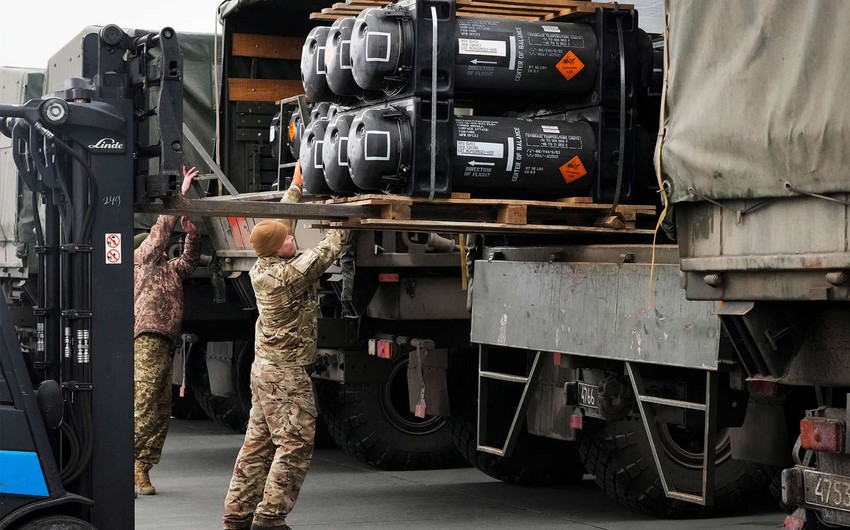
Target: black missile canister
523, 158
388, 149
519, 57
312, 167
335, 154
313, 73
294, 133
498, 55
339, 76
380, 147
382, 48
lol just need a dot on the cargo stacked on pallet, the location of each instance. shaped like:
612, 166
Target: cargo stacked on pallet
430, 102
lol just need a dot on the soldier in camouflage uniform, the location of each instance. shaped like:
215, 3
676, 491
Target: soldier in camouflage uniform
158, 311
278, 445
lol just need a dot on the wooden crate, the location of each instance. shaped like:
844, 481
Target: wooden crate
553, 10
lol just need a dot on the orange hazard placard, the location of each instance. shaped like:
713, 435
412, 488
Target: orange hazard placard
570, 65
573, 170
292, 131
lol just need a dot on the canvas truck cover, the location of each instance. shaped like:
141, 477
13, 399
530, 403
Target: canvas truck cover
17, 85
756, 96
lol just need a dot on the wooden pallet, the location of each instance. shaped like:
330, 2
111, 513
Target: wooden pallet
533, 10
491, 216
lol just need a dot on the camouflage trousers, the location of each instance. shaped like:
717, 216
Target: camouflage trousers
277, 450
152, 394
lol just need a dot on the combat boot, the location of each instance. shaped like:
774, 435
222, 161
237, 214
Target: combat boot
255, 526
143, 480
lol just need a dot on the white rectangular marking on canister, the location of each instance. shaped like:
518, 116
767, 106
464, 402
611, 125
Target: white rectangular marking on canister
342, 54
385, 134
382, 34
490, 48
343, 151
480, 149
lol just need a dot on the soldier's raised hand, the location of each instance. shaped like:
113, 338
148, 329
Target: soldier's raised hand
188, 226
296, 178
188, 175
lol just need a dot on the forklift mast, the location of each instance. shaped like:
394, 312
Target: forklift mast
88, 153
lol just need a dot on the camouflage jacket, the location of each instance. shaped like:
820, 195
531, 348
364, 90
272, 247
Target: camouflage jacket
287, 300
158, 287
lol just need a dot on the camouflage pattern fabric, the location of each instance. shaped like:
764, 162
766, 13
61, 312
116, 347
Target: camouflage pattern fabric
277, 450
158, 288
293, 194
152, 392
287, 301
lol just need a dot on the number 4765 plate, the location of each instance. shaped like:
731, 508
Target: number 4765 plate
827, 490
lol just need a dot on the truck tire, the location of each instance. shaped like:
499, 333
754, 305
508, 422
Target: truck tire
618, 453
55, 522
536, 460
228, 411
371, 422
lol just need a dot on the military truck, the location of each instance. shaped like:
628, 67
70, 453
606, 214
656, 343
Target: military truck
590, 355
690, 373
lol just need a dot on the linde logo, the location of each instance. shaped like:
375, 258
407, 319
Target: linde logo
107, 143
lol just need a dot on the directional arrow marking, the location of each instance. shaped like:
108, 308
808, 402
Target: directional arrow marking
479, 61
475, 163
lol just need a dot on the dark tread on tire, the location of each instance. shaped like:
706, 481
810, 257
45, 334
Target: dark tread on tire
55, 522
355, 420
536, 461
618, 454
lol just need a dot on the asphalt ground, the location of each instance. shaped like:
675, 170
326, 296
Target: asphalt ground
342, 493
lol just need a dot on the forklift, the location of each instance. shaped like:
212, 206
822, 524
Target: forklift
110, 140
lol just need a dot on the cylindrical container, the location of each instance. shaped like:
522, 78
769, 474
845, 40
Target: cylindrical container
313, 73
275, 140
312, 167
335, 154
339, 75
508, 157
516, 56
380, 147
381, 48
294, 133
322, 109
523, 158
497, 55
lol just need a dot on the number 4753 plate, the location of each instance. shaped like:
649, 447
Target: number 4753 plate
827, 490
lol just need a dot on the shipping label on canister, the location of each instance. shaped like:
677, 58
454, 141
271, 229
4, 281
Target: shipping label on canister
514, 56
523, 157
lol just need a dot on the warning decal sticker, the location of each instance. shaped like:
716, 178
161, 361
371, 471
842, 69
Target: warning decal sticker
570, 65
113, 249
573, 170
